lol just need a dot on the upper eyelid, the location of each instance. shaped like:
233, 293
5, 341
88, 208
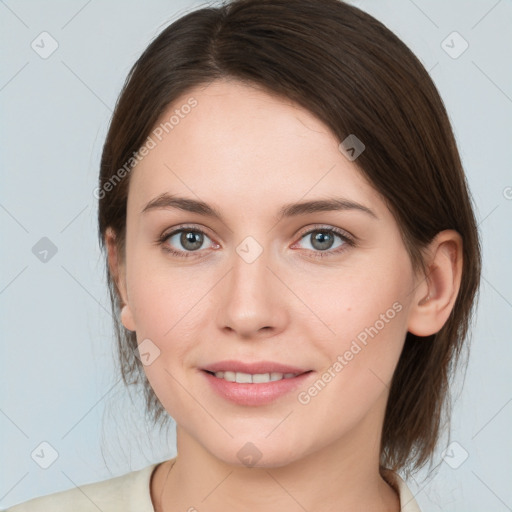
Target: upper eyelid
326, 227
185, 227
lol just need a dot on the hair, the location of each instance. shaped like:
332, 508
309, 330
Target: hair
357, 77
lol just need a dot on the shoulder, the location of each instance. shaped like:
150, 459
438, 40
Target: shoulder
407, 501
130, 491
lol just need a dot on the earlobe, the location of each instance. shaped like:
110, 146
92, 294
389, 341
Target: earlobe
127, 318
117, 272
436, 293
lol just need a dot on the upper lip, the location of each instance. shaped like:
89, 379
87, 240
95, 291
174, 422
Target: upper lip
253, 368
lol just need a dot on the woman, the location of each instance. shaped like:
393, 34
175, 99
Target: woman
292, 256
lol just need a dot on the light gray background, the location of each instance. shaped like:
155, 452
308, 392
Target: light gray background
57, 367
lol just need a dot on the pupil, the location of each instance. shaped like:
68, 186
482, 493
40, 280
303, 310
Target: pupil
324, 239
193, 238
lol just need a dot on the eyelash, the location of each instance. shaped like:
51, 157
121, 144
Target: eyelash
317, 254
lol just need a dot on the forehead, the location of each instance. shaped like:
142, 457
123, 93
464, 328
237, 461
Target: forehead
241, 145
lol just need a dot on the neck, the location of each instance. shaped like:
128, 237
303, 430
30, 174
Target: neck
343, 476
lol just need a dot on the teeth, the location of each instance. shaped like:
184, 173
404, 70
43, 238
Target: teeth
230, 376
243, 378
248, 378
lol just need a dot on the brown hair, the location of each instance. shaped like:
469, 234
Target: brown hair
357, 77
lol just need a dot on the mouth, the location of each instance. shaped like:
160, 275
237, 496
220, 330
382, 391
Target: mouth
256, 387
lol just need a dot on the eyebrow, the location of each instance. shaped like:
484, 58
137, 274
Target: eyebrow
167, 200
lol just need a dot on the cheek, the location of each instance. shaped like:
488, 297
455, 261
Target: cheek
168, 307
162, 298
167, 310
368, 314
356, 302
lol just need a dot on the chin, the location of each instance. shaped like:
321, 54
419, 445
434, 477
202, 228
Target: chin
257, 452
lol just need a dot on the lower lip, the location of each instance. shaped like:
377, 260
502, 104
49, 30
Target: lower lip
255, 394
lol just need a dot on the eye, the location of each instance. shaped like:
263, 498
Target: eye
322, 241
185, 239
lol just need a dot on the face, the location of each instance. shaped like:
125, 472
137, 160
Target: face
325, 290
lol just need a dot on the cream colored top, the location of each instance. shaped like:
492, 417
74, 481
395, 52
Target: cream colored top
131, 493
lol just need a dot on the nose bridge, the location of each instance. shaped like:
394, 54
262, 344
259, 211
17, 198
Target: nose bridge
250, 275
251, 300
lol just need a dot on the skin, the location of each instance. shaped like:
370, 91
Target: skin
247, 153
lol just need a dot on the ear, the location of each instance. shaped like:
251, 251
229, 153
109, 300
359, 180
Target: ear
118, 272
435, 293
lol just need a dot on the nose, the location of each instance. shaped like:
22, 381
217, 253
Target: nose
252, 299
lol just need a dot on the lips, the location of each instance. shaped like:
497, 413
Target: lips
259, 367
255, 389
254, 384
